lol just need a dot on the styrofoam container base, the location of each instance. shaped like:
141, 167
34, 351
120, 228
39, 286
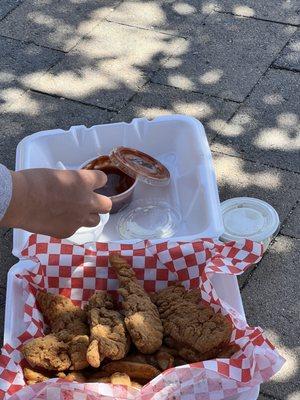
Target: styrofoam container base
84, 234
177, 141
225, 285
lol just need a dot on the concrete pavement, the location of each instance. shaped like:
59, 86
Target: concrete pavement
233, 65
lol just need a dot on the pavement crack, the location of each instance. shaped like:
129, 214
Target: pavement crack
256, 266
257, 18
196, 91
287, 217
146, 29
289, 236
74, 101
32, 42
11, 10
291, 69
270, 66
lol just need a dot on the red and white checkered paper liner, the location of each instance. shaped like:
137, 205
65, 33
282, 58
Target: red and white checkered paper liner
77, 271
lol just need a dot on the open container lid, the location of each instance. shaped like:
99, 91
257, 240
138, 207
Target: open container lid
146, 219
250, 218
151, 218
140, 165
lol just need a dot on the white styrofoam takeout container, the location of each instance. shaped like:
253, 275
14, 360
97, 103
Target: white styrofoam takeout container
177, 141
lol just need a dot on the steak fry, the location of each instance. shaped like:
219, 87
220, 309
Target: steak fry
109, 338
72, 376
132, 369
162, 359
33, 377
141, 315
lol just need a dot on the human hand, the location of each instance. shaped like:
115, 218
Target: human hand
55, 202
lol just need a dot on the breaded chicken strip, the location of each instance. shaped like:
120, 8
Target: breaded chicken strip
141, 315
109, 338
77, 350
62, 315
68, 323
47, 352
189, 327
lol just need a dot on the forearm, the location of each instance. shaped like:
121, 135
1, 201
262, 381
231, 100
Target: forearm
5, 190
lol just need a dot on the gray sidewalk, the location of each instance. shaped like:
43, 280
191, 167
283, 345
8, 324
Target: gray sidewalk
233, 65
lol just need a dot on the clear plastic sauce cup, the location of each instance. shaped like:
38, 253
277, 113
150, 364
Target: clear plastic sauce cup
249, 218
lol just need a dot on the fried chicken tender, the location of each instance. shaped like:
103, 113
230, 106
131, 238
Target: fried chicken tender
77, 350
63, 316
141, 315
192, 356
197, 332
109, 338
68, 323
47, 352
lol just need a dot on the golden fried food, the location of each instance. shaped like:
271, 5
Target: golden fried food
33, 377
103, 380
132, 369
141, 315
192, 356
100, 335
77, 349
192, 329
96, 376
109, 338
47, 352
119, 378
62, 315
73, 376
136, 385
162, 359
123, 379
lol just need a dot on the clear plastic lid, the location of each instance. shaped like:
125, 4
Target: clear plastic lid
246, 217
135, 163
150, 219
